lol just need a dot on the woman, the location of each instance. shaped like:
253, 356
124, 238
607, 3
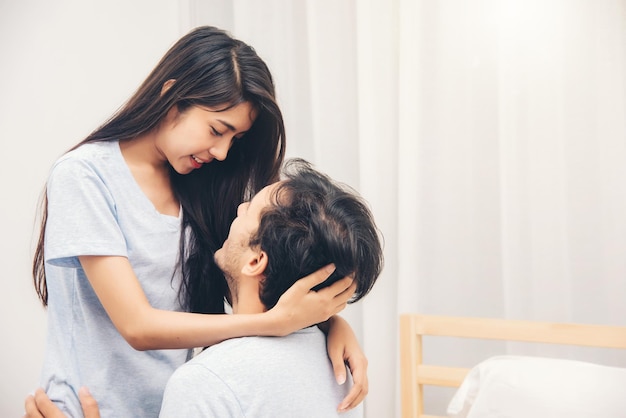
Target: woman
133, 216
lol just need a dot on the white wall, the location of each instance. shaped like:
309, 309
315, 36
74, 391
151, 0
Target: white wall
65, 67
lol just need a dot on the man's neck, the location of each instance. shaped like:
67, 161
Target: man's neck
246, 300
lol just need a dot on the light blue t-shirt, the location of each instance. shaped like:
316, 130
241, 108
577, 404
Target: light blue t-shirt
259, 377
95, 207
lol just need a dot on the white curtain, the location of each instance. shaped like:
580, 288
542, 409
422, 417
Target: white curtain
489, 137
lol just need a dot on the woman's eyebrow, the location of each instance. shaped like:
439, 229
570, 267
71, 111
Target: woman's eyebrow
228, 125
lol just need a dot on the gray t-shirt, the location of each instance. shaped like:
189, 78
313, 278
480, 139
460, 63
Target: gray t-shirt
258, 377
95, 207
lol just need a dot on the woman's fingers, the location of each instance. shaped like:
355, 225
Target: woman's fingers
341, 286
339, 366
316, 277
352, 399
341, 291
30, 408
300, 306
347, 293
337, 301
360, 386
40, 406
89, 404
344, 350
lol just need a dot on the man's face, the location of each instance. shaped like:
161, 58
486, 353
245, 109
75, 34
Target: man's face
230, 258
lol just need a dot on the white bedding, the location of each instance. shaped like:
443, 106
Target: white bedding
523, 387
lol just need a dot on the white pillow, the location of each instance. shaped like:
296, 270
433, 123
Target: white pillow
523, 387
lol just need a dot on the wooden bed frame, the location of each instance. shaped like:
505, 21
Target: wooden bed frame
414, 374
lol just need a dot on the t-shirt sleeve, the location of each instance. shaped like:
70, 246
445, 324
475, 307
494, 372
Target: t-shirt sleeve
195, 391
81, 215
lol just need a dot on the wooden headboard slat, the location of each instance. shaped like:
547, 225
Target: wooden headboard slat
526, 331
441, 376
414, 374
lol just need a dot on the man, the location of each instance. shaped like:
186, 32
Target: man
288, 230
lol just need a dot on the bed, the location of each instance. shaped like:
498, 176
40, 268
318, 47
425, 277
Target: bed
525, 385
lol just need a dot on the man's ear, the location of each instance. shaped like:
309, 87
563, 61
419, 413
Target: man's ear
256, 264
166, 86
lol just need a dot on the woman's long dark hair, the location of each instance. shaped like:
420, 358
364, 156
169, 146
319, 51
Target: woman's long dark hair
210, 69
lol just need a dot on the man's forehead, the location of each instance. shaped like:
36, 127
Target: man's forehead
262, 198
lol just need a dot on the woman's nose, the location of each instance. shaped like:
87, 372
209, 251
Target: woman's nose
220, 151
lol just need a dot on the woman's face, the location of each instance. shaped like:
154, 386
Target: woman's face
197, 136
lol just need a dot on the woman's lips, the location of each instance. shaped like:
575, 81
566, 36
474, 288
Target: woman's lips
195, 162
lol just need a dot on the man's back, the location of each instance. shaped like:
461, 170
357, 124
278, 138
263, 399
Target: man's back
259, 377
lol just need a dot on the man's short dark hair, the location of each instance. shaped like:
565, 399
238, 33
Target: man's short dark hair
314, 221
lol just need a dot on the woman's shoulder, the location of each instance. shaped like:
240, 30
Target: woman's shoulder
92, 150
91, 154
96, 159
